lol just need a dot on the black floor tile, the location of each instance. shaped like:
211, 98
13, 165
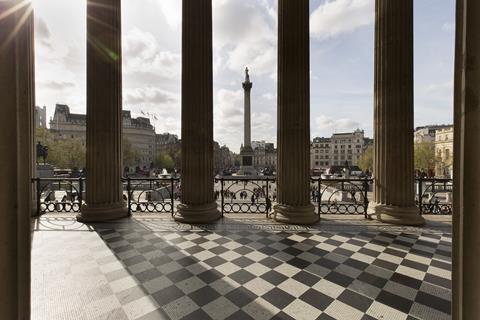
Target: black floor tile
241, 296
355, 300
316, 299
278, 298
394, 301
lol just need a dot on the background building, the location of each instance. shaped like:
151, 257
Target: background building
337, 150
40, 117
138, 131
265, 155
444, 152
320, 153
427, 133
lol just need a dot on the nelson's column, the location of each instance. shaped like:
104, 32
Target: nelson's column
246, 151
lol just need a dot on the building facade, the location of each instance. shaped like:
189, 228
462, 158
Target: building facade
138, 131
40, 117
338, 150
427, 133
444, 152
265, 155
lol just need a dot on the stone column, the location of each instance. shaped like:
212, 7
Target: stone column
104, 199
466, 200
17, 96
293, 133
393, 118
198, 201
247, 128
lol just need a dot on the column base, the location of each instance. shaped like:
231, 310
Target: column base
409, 216
100, 214
197, 213
295, 214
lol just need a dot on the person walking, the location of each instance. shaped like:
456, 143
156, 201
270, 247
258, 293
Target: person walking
268, 204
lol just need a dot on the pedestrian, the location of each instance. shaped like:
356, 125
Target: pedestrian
253, 199
268, 204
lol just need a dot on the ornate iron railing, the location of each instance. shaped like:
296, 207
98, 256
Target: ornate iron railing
434, 196
341, 196
151, 195
238, 195
245, 194
59, 195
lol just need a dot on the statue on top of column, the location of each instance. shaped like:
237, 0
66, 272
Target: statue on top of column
247, 76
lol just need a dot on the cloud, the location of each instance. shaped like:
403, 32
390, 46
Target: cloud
269, 96
245, 33
335, 17
172, 11
42, 32
325, 123
228, 117
148, 95
142, 54
443, 86
55, 85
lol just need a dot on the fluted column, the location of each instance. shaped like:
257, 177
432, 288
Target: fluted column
393, 119
104, 113
17, 96
198, 202
247, 88
466, 200
293, 133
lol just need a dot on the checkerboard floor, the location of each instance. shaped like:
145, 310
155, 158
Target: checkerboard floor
131, 271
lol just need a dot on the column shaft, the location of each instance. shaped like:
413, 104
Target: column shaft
393, 115
293, 133
17, 96
247, 117
104, 112
198, 202
466, 214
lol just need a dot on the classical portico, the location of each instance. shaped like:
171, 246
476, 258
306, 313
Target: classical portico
394, 195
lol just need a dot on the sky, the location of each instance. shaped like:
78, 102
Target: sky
245, 34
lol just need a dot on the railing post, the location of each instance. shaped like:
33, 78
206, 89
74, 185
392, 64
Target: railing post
221, 194
365, 198
266, 197
129, 197
39, 195
420, 195
80, 196
173, 194
319, 198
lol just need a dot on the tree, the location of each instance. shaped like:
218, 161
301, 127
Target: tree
66, 153
164, 160
365, 162
424, 156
